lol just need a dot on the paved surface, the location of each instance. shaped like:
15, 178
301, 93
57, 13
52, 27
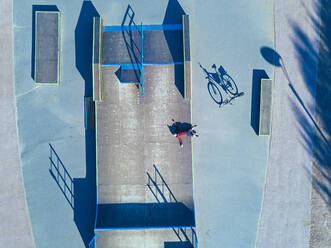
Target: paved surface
230, 160
15, 223
133, 135
53, 115
285, 218
321, 172
47, 50
143, 238
159, 46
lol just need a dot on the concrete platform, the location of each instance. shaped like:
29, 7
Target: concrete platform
139, 161
159, 46
121, 47
15, 226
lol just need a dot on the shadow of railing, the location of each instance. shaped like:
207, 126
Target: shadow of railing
163, 193
78, 192
61, 176
132, 34
187, 235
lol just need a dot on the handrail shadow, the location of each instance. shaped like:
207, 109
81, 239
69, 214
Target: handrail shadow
164, 186
131, 45
78, 193
55, 169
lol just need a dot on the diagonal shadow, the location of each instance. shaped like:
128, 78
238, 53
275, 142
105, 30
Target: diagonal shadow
162, 190
173, 15
79, 193
84, 43
131, 35
82, 197
314, 60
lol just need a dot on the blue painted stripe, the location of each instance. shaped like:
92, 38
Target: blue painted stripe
112, 64
144, 27
163, 27
129, 82
131, 66
140, 228
165, 63
127, 65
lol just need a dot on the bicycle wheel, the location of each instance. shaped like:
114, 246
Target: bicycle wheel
230, 85
215, 92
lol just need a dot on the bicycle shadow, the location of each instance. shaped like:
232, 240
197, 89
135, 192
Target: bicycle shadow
219, 80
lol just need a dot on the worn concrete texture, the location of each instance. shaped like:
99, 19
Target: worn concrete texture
144, 238
15, 228
47, 47
285, 217
229, 160
133, 134
321, 172
55, 115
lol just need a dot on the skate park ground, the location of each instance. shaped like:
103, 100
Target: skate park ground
229, 159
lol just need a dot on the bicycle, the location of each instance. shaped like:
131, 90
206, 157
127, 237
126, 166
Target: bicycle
221, 78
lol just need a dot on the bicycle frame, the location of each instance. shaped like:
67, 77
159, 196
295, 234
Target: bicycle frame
219, 75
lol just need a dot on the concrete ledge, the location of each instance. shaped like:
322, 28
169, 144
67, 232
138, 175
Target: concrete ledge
187, 57
265, 107
96, 58
47, 47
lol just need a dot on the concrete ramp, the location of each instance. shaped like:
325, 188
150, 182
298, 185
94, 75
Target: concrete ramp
144, 176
